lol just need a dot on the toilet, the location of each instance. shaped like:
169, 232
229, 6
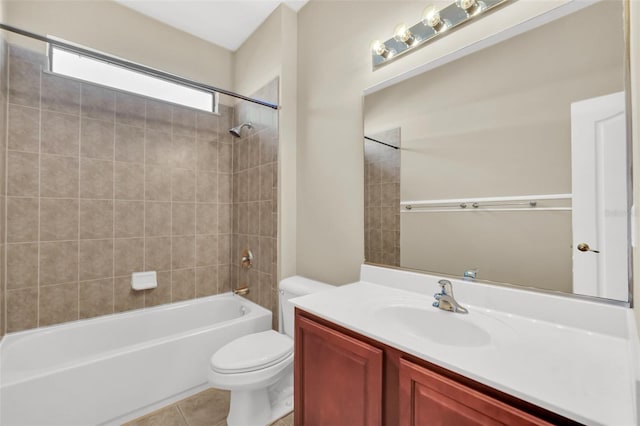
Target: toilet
258, 368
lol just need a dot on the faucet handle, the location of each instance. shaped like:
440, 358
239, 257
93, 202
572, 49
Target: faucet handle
445, 287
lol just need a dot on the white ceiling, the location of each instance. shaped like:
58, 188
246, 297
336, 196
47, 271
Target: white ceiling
227, 23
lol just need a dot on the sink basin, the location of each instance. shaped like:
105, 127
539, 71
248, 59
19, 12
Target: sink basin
435, 325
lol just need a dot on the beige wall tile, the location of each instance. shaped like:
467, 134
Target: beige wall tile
96, 219
241, 182
224, 278
225, 188
129, 181
266, 181
184, 152
159, 116
206, 250
253, 151
22, 174
24, 128
224, 249
157, 254
22, 309
58, 262
98, 102
157, 183
129, 256
183, 219
183, 284
225, 219
206, 281
157, 219
129, 144
60, 94
184, 121
24, 83
183, 185
22, 219
58, 219
266, 219
96, 298
157, 147
225, 151
96, 179
22, 265
206, 218
206, 125
126, 299
129, 219
60, 133
58, 303
253, 224
130, 110
207, 187
58, 176
97, 139
160, 294
96, 259
182, 252
207, 154
268, 147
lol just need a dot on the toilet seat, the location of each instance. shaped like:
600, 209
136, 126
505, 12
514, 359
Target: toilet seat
252, 352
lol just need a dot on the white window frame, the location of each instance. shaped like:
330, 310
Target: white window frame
69, 63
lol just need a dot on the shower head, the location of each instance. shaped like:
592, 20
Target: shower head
235, 131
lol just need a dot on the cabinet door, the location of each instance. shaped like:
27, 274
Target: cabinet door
427, 398
338, 379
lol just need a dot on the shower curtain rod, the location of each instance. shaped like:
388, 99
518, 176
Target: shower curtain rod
133, 66
380, 142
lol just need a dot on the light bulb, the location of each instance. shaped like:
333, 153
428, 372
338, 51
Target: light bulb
472, 7
380, 49
431, 17
403, 35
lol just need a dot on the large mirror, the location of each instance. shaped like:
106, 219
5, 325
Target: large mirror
509, 165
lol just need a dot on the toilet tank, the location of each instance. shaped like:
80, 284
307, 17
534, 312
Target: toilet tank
289, 288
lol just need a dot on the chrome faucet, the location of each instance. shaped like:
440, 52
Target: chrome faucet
470, 274
445, 300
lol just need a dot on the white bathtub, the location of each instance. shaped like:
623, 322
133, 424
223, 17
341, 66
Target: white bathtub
110, 369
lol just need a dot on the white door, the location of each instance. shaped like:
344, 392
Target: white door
599, 186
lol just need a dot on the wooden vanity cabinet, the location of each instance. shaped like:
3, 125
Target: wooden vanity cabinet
345, 379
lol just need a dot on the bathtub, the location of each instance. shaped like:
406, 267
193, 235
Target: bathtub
111, 369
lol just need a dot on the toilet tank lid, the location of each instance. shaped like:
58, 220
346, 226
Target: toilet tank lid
301, 286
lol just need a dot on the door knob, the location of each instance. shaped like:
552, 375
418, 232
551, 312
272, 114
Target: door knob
585, 247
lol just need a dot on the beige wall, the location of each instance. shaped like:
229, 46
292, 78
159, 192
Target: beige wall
497, 123
635, 107
271, 52
107, 26
334, 67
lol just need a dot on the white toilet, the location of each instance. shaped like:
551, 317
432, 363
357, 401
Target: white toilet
258, 368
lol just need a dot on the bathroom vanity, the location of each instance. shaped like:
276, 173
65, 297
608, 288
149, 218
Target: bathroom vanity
377, 353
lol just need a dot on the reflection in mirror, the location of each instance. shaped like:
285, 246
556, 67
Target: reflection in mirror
514, 162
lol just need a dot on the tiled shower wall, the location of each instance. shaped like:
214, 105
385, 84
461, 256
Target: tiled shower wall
101, 184
3, 140
255, 199
382, 199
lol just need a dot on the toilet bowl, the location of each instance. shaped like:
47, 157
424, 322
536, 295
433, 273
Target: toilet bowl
258, 368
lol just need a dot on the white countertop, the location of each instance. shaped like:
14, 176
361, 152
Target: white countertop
584, 375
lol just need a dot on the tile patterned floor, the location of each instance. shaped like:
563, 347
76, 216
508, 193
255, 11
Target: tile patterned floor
207, 408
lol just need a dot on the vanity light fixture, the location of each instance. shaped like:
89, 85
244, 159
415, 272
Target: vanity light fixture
434, 22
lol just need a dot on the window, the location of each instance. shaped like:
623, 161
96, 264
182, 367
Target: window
92, 70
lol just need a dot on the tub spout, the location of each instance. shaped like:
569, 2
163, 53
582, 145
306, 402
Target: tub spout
241, 291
